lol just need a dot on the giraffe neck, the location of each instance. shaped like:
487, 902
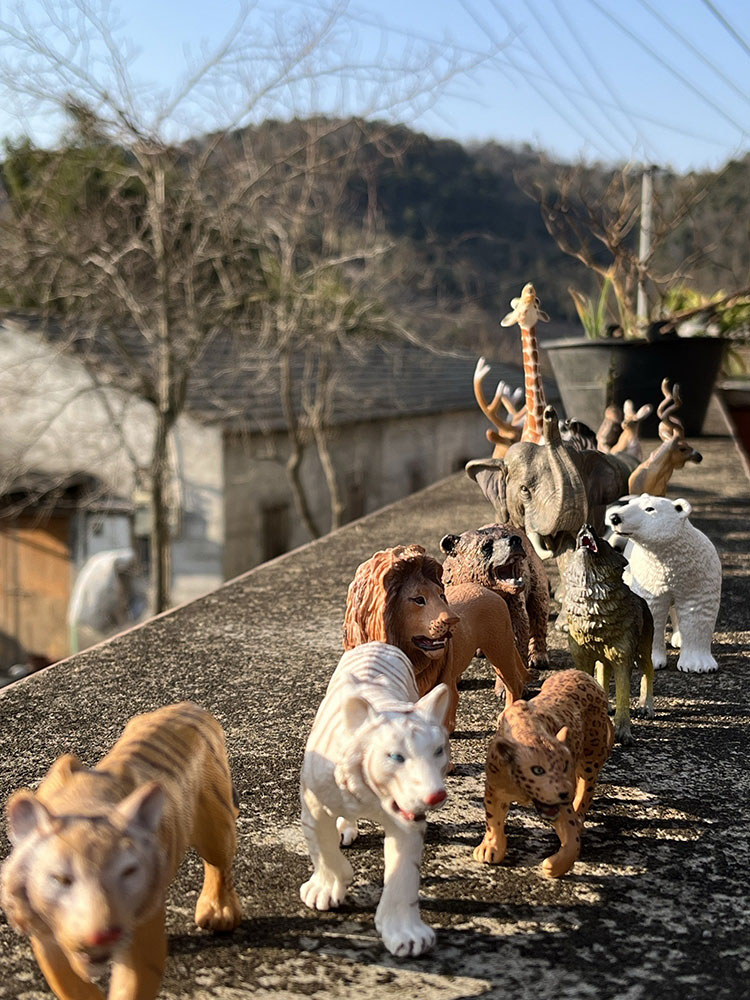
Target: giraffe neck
535, 401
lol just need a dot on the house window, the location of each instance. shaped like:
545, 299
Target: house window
355, 500
274, 530
415, 477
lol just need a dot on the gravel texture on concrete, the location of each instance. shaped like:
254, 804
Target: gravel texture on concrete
657, 906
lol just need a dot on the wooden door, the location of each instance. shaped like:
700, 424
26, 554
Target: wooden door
35, 584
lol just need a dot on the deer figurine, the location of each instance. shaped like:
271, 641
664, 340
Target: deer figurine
610, 428
629, 440
505, 432
653, 475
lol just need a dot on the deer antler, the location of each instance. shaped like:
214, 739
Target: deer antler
510, 398
669, 425
505, 433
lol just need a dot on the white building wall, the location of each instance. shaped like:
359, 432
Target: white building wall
56, 421
384, 455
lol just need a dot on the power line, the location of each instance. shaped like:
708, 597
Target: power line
662, 62
696, 52
589, 58
545, 96
500, 60
571, 64
720, 17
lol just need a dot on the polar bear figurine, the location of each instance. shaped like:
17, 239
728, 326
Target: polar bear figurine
378, 751
672, 565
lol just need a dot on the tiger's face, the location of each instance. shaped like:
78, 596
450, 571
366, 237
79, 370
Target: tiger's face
405, 757
425, 618
538, 764
86, 881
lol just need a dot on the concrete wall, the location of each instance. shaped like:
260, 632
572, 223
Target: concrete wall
377, 462
56, 421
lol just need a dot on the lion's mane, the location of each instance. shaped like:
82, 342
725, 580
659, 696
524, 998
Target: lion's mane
372, 600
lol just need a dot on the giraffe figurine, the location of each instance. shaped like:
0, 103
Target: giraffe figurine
527, 311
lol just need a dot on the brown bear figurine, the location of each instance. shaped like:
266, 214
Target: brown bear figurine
503, 559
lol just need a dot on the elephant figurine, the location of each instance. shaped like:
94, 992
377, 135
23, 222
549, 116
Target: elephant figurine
551, 489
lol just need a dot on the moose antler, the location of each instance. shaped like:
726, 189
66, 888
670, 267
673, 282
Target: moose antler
506, 432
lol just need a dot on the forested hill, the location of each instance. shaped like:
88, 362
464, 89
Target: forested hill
471, 213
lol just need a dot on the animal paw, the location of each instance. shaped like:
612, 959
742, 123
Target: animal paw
623, 735
222, 914
348, 831
676, 640
405, 934
557, 865
643, 712
322, 894
659, 659
489, 852
696, 663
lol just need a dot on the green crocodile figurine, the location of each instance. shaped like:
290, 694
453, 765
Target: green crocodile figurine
608, 624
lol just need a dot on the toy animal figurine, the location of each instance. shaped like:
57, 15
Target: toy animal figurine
672, 565
94, 850
548, 752
550, 491
378, 752
397, 596
505, 431
653, 475
502, 559
629, 440
527, 311
577, 435
610, 428
608, 623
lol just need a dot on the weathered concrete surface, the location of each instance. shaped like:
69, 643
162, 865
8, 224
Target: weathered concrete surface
656, 908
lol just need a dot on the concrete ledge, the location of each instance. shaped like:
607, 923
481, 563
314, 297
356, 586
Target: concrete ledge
656, 907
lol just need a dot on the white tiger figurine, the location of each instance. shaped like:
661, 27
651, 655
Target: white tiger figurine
377, 751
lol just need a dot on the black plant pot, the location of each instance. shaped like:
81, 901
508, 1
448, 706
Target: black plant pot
591, 374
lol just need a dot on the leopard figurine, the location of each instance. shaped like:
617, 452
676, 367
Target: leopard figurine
548, 752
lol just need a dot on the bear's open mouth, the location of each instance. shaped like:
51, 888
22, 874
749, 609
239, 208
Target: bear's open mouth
545, 810
510, 575
412, 817
430, 645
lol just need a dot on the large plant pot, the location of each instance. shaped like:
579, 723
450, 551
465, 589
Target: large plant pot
591, 374
736, 399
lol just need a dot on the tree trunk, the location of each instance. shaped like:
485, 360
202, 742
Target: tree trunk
161, 553
296, 447
329, 471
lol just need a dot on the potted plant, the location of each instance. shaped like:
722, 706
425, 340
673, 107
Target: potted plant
624, 356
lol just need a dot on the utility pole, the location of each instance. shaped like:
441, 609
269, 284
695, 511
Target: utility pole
644, 246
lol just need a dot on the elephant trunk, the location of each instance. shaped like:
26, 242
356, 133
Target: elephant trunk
568, 507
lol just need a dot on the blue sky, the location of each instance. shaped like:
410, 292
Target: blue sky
565, 75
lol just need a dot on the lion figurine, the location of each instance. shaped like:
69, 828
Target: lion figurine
397, 596
94, 850
548, 752
376, 751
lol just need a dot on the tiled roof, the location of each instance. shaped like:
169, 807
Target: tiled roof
368, 381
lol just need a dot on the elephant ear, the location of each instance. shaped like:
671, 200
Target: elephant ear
490, 475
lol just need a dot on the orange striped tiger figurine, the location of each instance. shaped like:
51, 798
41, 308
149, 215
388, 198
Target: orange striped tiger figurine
94, 850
